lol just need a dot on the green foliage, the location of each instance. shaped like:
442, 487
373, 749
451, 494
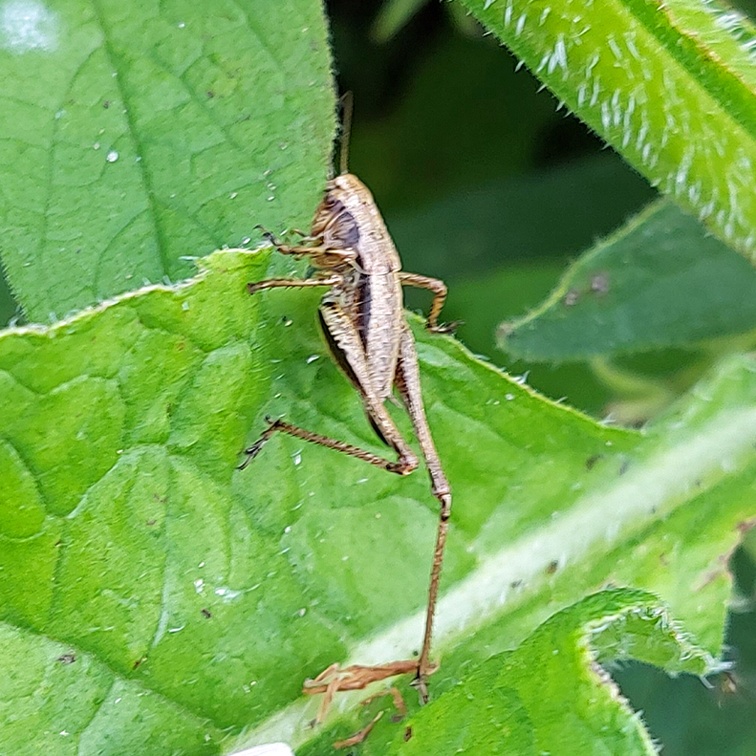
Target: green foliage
131, 543
671, 88
162, 600
608, 301
503, 707
136, 135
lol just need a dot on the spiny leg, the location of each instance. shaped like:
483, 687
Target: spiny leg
346, 339
293, 283
285, 248
408, 384
439, 290
311, 246
402, 466
360, 736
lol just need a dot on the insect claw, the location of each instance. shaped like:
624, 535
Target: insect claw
249, 458
252, 452
445, 327
269, 235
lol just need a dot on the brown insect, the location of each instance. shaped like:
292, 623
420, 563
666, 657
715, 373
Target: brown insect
362, 318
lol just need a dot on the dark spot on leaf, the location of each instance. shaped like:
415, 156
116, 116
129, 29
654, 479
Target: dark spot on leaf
591, 461
552, 567
106, 104
206, 613
407, 734
68, 658
210, 94
138, 662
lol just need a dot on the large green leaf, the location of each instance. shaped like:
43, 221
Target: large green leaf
505, 705
671, 86
657, 282
161, 600
152, 587
137, 134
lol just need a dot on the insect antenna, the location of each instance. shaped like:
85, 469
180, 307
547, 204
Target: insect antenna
347, 106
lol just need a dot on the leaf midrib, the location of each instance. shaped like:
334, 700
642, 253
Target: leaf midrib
676, 473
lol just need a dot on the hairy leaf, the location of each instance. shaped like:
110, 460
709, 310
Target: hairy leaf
135, 135
658, 282
551, 691
671, 86
157, 588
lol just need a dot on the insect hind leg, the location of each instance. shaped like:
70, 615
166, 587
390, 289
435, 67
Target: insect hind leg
408, 383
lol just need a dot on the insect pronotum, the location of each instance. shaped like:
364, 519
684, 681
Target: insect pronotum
362, 318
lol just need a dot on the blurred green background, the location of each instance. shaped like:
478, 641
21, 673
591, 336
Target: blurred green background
487, 183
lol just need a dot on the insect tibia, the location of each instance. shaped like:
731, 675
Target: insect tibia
293, 283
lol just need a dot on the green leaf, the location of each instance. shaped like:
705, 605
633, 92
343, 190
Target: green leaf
551, 690
195, 598
137, 135
658, 282
671, 87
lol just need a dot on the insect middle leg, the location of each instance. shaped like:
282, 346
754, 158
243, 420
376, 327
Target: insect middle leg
292, 283
402, 466
346, 338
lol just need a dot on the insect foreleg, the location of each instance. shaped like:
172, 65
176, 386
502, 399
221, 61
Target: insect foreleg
438, 288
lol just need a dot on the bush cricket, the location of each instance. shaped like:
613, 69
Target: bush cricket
362, 318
